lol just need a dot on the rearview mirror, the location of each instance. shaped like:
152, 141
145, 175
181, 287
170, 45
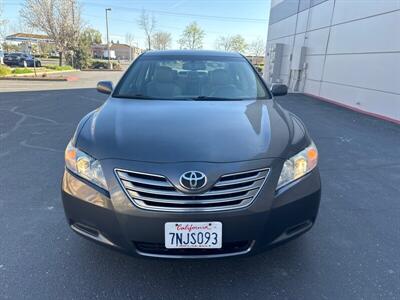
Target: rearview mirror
105, 87
278, 89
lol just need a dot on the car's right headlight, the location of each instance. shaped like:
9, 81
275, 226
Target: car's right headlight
298, 165
82, 164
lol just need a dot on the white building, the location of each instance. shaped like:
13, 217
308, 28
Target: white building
343, 51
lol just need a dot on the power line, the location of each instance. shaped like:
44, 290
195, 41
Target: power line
161, 26
163, 12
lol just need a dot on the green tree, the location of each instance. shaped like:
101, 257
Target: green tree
93, 36
83, 50
192, 37
10, 47
82, 55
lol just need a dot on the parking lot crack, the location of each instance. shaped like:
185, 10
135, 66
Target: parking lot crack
23, 116
17, 124
33, 116
25, 144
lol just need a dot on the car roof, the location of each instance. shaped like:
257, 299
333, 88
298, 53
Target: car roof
204, 53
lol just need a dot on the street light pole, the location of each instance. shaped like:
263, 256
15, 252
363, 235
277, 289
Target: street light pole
73, 28
108, 42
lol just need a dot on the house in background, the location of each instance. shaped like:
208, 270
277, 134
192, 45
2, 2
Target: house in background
24, 42
121, 51
28, 37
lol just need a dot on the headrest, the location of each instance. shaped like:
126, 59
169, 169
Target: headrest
163, 74
220, 77
193, 75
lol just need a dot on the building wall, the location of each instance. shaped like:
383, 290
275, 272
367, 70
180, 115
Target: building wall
352, 51
121, 51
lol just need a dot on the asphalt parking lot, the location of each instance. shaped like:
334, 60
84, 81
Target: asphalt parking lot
351, 253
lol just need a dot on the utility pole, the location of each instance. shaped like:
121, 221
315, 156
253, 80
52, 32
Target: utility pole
73, 28
108, 41
33, 55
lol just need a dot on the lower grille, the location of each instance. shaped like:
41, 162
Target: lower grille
159, 249
156, 192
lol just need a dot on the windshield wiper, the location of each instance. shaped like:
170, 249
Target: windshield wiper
199, 98
136, 96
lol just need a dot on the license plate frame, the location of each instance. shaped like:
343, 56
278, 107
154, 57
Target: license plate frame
193, 235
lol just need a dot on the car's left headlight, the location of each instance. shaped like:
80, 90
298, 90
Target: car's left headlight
85, 166
298, 165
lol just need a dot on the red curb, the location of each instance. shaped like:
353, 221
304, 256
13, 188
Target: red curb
378, 116
100, 70
26, 78
33, 78
72, 78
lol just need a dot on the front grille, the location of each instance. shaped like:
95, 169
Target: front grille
159, 249
156, 192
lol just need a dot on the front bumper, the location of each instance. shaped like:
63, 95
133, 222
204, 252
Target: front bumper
112, 220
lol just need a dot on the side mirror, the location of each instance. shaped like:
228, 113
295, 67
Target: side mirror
105, 87
278, 89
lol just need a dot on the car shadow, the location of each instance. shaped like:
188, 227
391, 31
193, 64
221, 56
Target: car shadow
352, 251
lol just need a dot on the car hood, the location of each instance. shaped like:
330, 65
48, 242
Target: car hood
182, 131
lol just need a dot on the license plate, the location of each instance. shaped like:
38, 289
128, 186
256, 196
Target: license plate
198, 235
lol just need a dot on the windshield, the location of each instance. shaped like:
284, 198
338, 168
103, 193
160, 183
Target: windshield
16, 54
191, 78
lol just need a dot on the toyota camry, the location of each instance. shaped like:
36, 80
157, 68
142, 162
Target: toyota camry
191, 157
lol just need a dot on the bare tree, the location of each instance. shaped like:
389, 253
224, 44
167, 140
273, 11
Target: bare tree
232, 43
192, 37
162, 40
20, 26
3, 22
148, 24
59, 19
224, 43
239, 43
129, 39
257, 47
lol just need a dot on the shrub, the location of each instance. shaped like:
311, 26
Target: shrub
4, 70
97, 64
116, 65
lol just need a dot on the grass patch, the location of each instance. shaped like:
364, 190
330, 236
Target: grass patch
59, 68
22, 71
4, 70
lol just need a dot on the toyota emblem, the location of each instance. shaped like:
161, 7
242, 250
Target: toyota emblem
193, 180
